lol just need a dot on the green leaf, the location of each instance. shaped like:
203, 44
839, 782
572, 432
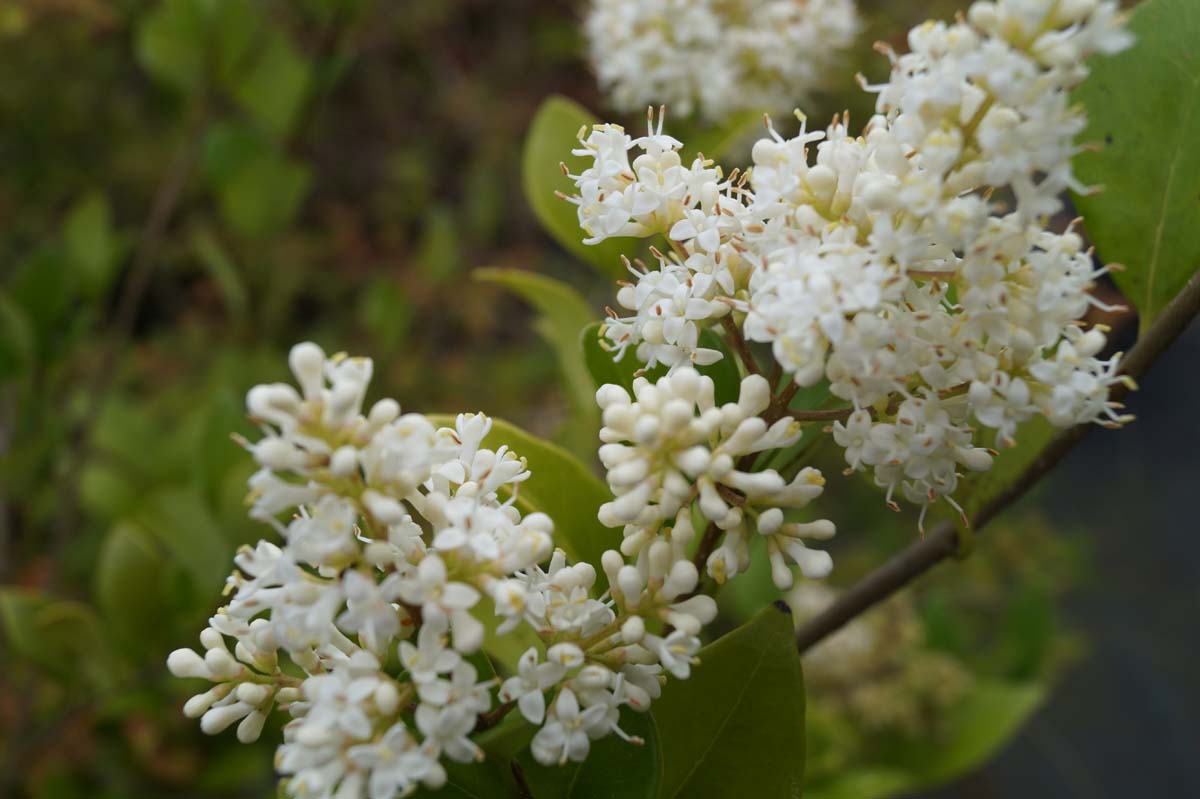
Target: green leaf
63, 636
614, 769
18, 341
979, 726
717, 142
736, 726
600, 365
1144, 106
439, 253
563, 313
274, 88
560, 486
93, 248
182, 522
469, 781
128, 580
259, 190
221, 268
171, 43
551, 137
973, 731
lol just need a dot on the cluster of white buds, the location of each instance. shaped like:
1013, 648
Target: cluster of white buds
399, 538
910, 266
671, 445
716, 57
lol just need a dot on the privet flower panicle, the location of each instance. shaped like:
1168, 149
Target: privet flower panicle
397, 537
715, 57
909, 266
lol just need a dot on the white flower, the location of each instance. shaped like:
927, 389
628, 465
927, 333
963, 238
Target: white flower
528, 687
564, 737
444, 602
370, 611
430, 657
396, 764
712, 57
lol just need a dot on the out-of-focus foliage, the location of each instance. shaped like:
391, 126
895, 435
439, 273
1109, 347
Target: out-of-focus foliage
191, 186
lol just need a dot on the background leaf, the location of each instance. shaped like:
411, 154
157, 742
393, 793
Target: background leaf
562, 314
551, 137
736, 726
974, 731
1144, 106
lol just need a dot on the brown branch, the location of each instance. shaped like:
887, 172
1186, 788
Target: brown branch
493, 717
942, 542
739, 344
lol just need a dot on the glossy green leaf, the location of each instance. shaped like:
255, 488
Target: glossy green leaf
1144, 107
93, 248
560, 486
563, 313
736, 726
551, 137
614, 769
603, 369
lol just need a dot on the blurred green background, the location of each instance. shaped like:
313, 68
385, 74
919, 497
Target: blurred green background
191, 186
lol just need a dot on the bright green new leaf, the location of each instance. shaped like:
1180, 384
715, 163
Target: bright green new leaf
1144, 106
563, 313
737, 724
552, 136
614, 768
562, 487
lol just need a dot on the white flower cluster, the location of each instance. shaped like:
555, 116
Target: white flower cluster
910, 266
671, 445
715, 57
366, 623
